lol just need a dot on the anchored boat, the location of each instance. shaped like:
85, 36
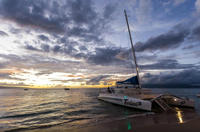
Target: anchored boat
129, 93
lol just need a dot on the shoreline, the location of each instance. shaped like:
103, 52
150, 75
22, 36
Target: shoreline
192, 126
161, 122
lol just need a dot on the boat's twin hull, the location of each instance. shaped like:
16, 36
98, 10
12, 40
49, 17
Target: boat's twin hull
126, 101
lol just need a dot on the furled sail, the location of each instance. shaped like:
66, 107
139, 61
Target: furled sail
133, 80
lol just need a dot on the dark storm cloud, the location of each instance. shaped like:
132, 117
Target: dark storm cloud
45, 47
62, 40
83, 48
76, 18
43, 37
190, 76
97, 79
32, 13
171, 39
196, 33
30, 47
56, 49
69, 49
2, 33
105, 56
167, 64
116, 56
89, 24
64, 49
82, 11
109, 10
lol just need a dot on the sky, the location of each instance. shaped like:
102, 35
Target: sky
85, 43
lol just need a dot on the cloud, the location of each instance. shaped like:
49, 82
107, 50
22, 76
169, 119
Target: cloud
3, 64
197, 5
178, 2
189, 76
45, 47
96, 80
5, 75
2, 33
68, 36
16, 30
83, 48
8, 75
109, 10
82, 12
165, 41
30, 47
41, 63
143, 11
69, 48
43, 37
196, 33
74, 18
106, 56
56, 49
80, 80
166, 64
39, 14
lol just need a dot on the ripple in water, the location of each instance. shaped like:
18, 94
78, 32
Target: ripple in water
33, 109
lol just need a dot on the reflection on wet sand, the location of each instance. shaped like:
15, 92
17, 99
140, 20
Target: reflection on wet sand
179, 115
173, 117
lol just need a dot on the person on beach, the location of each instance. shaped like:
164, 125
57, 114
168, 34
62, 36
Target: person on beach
109, 90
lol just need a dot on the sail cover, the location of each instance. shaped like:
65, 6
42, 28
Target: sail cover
133, 80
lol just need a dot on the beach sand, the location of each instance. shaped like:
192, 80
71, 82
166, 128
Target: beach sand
120, 126
167, 122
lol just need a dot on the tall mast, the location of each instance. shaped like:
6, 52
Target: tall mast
133, 50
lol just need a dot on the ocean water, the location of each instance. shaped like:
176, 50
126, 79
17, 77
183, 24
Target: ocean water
35, 109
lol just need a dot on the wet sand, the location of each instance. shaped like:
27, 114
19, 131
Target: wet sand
167, 122
190, 126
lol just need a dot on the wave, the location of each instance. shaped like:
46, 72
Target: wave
29, 114
48, 103
45, 126
77, 112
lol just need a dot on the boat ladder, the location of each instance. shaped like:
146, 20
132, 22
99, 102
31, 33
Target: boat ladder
163, 104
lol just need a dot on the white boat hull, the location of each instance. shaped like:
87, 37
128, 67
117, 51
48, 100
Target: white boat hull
126, 101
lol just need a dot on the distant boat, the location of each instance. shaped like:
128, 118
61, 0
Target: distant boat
26, 89
66, 89
129, 93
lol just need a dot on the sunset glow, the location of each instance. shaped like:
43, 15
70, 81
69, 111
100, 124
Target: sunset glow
49, 46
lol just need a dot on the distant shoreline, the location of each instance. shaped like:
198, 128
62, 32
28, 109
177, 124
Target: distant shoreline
153, 87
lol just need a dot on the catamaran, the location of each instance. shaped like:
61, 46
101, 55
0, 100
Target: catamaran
129, 93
